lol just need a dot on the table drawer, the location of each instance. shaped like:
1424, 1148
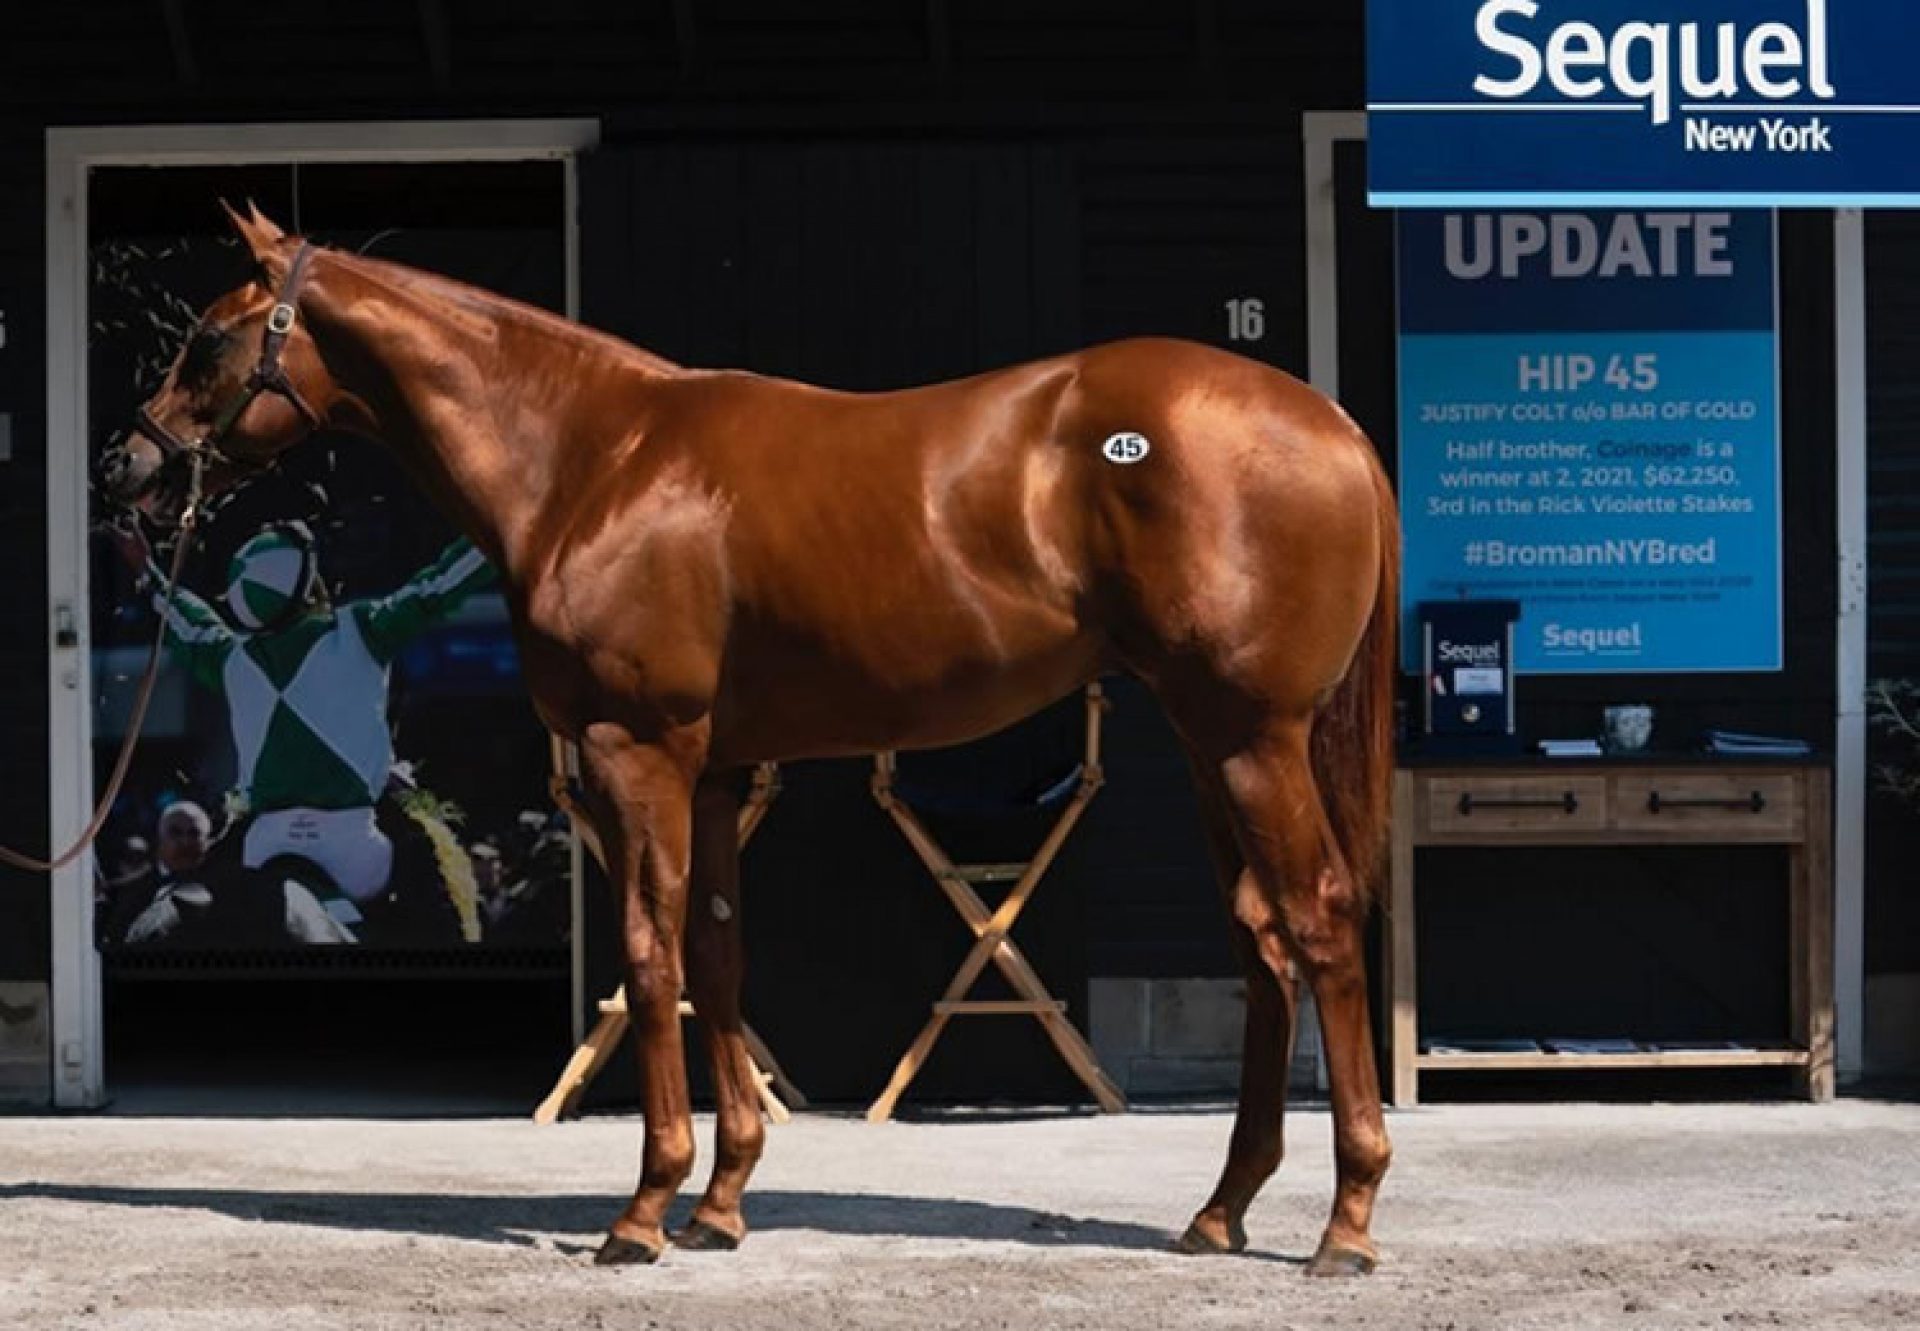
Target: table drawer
1515, 805
1731, 804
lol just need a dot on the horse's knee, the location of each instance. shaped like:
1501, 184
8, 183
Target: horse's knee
654, 978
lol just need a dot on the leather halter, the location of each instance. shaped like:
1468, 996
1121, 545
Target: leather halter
269, 376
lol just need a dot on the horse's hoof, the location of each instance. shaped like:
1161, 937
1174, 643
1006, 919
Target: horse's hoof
699, 1236
617, 1251
1330, 1261
1200, 1241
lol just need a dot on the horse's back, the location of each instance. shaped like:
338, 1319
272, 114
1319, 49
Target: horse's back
923, 566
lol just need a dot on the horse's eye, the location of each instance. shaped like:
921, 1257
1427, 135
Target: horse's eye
203, 354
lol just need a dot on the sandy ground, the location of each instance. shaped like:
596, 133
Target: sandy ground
1655, 1216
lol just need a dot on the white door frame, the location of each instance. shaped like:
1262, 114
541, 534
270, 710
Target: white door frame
78, 1072
1321, 131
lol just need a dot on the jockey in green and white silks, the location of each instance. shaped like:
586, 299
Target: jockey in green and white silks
306, 690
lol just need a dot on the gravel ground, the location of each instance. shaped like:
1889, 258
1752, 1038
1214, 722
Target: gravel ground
1560, 1216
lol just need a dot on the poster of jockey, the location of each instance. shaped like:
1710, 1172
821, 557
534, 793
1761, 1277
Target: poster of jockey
340, 751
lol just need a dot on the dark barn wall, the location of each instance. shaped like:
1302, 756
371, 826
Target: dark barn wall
1178, 122
1175, 122
1893, 606
24, 918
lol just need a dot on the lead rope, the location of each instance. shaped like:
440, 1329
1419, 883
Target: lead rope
138, 719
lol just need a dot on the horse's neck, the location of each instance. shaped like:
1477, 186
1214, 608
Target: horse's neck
484, 442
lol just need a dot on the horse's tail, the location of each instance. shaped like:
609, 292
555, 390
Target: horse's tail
1352, 744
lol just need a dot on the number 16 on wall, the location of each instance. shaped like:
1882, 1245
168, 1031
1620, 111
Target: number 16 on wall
1246, 319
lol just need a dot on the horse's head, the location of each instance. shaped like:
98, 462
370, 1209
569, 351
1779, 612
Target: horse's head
248, 385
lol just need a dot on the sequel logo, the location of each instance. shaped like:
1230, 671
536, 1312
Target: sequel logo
1658, 65
1592, 641
1467, 653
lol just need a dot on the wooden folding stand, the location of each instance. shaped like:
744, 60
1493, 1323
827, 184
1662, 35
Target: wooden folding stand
777, 1093
991, 927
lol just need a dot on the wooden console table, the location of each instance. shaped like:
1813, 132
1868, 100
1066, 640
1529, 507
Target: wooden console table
1606, 803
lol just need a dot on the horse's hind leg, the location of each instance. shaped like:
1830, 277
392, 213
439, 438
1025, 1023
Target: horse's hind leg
1258, 1142
1298, 899
714, 969
639, 795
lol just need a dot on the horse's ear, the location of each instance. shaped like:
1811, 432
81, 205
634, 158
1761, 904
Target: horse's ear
260, 234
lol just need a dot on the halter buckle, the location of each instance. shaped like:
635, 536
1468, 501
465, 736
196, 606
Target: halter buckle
280, 320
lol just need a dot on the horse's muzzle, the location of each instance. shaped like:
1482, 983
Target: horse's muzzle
122, 471
137, 475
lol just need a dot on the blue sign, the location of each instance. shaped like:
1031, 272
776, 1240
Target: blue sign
1643, 103
1589, 425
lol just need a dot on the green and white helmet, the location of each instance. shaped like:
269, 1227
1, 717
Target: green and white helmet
271, 576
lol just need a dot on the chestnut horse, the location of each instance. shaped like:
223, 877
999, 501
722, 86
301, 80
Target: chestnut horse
708, 569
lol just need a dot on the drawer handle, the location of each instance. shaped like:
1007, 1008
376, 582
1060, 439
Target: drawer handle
1752, 803
1567, 802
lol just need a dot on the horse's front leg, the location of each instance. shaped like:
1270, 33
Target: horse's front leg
640, 796
713, 982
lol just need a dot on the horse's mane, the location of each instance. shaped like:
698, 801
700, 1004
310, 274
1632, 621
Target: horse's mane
496, 308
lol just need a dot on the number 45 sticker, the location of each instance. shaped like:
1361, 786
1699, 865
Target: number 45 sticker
1126, 448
